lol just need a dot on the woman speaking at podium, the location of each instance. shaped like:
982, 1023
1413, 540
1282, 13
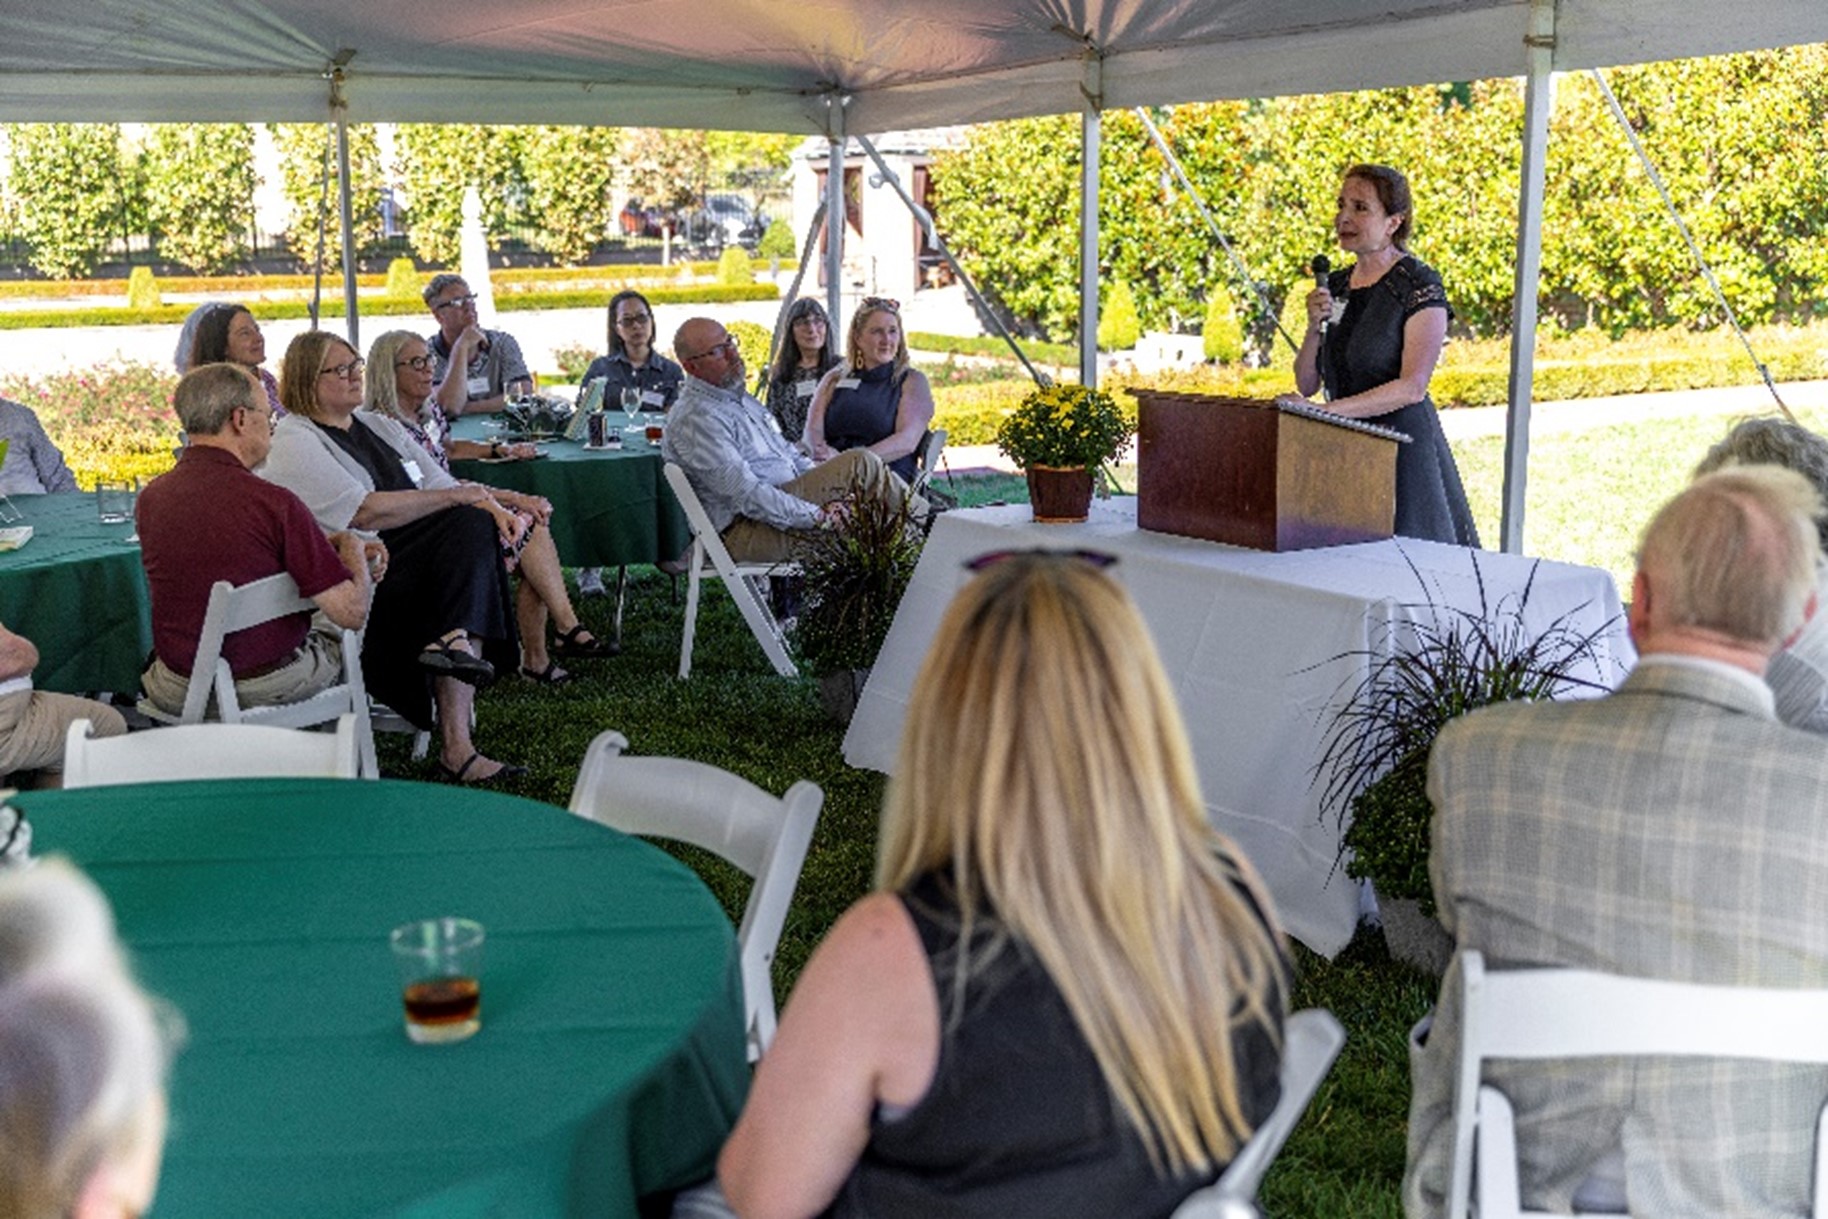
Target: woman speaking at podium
1375, 331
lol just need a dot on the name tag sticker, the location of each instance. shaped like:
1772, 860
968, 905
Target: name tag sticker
1339, 309
413, 471
848, 383
477, 387
652, 397
804, 389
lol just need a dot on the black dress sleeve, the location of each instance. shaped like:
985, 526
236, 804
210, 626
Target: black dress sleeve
1419, 287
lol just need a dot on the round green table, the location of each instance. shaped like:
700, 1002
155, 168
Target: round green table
609, 509
611, 1058
77, 590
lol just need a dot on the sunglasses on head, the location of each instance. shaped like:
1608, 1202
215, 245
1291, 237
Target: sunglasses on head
1100, 559
882, 302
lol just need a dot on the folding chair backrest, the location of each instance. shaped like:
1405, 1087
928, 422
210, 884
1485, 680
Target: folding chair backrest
1578, 1013
209, 751
693, 802
1311, 1040
236, 608
742, 580
926, 459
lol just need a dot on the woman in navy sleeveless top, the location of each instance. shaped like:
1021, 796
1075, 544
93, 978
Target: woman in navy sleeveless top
873, 400
1066, 996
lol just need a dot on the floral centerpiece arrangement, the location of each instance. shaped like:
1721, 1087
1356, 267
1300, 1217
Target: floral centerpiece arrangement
1059, 435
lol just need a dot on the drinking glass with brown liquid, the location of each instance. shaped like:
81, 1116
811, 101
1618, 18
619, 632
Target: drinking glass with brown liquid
440, 962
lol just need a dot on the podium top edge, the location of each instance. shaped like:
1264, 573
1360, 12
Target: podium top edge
1312, 411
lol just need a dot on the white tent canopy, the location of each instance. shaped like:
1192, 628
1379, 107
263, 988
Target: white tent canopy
769, 65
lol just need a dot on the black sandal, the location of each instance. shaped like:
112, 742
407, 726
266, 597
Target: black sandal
507, 770
447, 660
551, 675
567, 645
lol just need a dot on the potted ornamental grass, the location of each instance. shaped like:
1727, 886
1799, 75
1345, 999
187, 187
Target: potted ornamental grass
1438, 663
1061, 436
854, 574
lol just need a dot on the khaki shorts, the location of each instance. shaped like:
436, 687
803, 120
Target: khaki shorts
34, 723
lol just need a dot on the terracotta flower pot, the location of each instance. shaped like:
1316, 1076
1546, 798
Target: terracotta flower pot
1060, 495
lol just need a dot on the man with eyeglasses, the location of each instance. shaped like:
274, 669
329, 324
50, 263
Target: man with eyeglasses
758, 490
475, 369
33, 465
212, 518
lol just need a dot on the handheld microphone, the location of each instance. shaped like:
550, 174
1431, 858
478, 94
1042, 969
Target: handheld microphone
1320, 266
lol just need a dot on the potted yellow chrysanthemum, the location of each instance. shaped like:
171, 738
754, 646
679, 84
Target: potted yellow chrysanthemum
1059, 435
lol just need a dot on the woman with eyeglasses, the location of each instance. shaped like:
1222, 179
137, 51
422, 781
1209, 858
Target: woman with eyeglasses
399, 387
442, 620
228, 334
632, 362
873, 400
807, 352
1066, 995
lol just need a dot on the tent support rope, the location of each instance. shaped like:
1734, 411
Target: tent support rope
1694, 250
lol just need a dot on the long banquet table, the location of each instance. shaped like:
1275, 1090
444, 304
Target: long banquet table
609, 509
78, 592
1258, 646
611, 1059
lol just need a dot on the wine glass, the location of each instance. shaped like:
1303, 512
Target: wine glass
631, 400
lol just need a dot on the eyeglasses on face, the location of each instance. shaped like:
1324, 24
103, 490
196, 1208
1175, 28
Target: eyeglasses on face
634, 319
345, 371
456, 302
272, 419
809, 319
417, 363
1101, 559
727, 347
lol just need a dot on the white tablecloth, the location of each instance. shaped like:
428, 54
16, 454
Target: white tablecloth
1257, 647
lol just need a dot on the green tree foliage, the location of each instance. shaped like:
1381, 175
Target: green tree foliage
666, 169
1221, 337
1741, 140
1118, 325
67, 183
200, 192
752, 340
570, 174
301, 159
439, 161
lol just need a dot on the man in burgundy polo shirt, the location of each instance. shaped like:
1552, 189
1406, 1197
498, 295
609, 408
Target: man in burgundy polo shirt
213, 519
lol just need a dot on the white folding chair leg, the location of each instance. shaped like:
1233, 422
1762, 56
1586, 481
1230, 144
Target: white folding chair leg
694, 579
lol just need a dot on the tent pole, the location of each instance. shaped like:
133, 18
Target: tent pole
1091, 133
1538, 98
835, 216
351, 322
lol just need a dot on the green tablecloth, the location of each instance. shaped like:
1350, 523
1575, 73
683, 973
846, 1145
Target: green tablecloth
610, 1061
609, 509
77, 591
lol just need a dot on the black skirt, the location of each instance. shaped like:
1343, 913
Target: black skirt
444, 573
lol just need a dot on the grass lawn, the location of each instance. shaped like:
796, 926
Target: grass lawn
1590, 493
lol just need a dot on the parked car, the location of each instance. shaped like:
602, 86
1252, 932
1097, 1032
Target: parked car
728, 220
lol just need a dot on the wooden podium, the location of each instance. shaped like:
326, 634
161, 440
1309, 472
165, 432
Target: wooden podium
1249, 472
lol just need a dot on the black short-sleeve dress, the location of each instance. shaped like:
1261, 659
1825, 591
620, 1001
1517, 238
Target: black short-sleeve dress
1365, 349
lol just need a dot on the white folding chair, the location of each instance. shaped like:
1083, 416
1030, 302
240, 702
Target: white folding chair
926, 459
764, 835
232, 609
744, 580
210, 751
1310, 1042
1577, 1013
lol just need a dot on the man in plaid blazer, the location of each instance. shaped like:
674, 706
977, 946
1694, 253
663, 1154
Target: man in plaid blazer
1674, 829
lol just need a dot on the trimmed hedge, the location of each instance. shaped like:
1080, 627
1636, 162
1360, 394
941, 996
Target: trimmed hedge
381, 306
232, 287
991, 345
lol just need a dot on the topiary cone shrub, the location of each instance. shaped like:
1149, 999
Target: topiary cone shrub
142, 289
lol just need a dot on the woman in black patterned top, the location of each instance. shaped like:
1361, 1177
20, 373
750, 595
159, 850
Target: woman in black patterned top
1387, 318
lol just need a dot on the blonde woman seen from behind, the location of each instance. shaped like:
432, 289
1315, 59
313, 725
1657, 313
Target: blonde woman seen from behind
82, 1057
1066, 995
